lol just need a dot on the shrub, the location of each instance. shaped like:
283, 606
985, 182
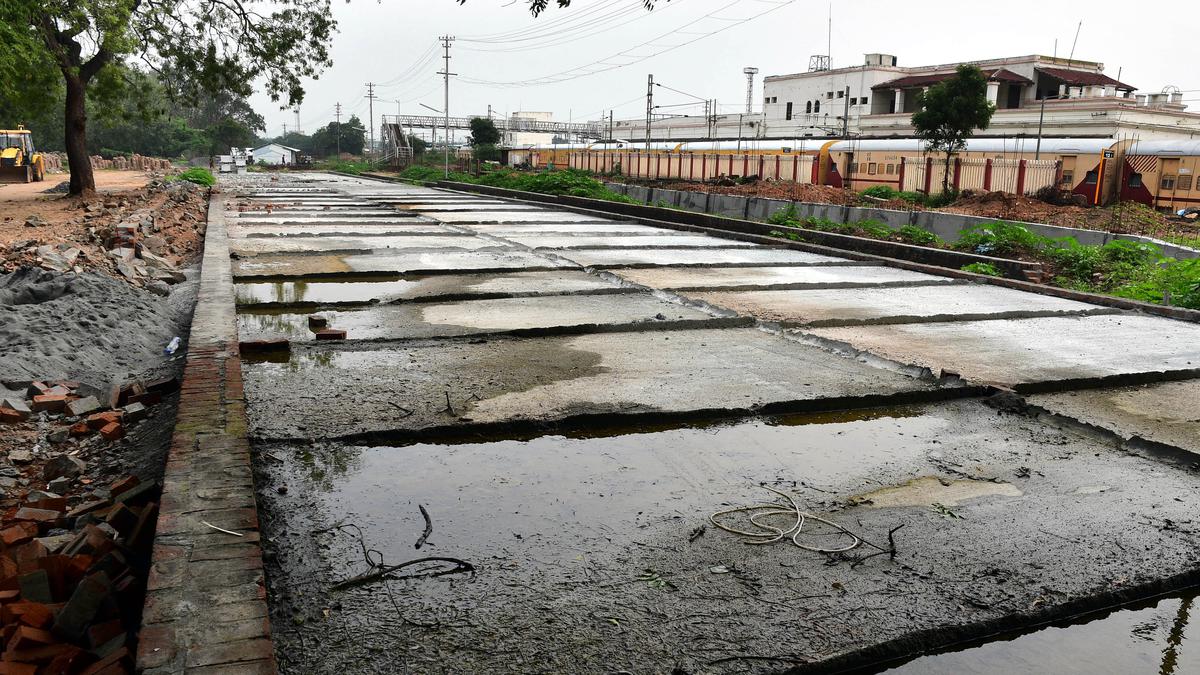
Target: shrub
1000, 238
880, 192
785, 216
982, 268
911, 197
199, 176
912, 234
875, 228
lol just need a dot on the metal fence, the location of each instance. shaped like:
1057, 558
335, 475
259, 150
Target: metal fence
789, 168
1019, 176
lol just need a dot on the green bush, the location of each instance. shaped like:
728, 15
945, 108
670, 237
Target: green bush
199, 176
880, 192
1000, 238
785, 216
874, 228
911, 197
911, 234
982, 268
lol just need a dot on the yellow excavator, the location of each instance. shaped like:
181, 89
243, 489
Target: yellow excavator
19, 162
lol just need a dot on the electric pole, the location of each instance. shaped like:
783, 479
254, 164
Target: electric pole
337, 107
649, 107
846, 115
610, 126
446, 40
298, 120
371, 112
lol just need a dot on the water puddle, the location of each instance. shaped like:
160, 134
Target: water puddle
295, 292
930, 490
1153, 638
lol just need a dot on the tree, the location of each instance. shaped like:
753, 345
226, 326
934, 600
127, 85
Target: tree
218, 46
351, 134
539, 6
483, 132
951, 111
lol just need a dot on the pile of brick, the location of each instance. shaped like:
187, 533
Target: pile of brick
62, 402
72, 576
135, 162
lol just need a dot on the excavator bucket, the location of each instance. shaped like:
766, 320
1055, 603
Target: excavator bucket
16, 174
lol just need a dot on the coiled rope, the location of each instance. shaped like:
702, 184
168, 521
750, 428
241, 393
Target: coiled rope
769, 534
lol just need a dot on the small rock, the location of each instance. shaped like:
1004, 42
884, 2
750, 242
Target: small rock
159, 288
20, 456
59, 485
83, 406
58, 436
62, 466
34, 221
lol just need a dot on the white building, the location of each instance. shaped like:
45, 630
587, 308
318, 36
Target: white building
274, 153
516, 139
877, 99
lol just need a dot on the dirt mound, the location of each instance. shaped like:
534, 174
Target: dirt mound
822, 194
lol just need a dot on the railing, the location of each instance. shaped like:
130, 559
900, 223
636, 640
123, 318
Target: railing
1018, 176
517, 124
791, 168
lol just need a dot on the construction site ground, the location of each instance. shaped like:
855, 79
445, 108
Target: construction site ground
490, 436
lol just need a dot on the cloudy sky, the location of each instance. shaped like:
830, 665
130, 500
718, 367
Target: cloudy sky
592, 57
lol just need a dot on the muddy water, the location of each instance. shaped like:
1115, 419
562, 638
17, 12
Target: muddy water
1155, 638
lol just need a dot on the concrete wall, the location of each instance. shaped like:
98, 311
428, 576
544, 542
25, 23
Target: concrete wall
948, 226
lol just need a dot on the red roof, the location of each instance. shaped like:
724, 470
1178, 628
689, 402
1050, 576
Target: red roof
1083, 78
997, 75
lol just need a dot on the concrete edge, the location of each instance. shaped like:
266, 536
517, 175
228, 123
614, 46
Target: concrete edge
206, 601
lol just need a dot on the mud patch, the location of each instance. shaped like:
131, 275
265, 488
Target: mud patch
929, 490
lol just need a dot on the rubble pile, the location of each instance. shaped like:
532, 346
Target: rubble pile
74, 555
141, 236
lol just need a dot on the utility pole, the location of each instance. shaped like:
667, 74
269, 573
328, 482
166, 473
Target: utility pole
371, 113
285, 128
446, 40
337, 107
298, 120
649, 107
846, 115
610, 125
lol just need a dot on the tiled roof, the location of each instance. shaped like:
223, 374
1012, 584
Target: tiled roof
1081, 78
997, 75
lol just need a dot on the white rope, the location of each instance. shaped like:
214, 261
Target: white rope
769, 534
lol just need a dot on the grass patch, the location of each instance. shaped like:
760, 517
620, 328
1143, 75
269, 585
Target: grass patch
197, 175
982, 268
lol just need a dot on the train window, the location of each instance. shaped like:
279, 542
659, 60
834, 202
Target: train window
872, 168
1168, 183
1090, 178
788, 115
854, 167
1135, 180
891, 169
1185, 183
1068, 177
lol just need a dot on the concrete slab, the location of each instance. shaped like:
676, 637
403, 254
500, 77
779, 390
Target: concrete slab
407, 228
874, 306
614, 258
512, 284
568, 228
553, 314
390, 263
292, 219
329, 392
1036, 354
320, 214
700, 278
540, 216
1166, 413
438, 207
581, 241
268, 245
597, 548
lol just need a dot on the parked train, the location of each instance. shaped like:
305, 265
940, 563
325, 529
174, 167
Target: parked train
1161, 174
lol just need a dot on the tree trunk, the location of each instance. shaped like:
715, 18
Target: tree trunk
83, 182
946, 175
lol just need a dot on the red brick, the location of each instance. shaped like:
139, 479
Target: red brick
109, 664
259, 346
80, 428
36, 389
28, 637
124, 484
331, 334
13, 668
49, 504
18, 533
34, 614
37, 515
113, 431
51, 402
10, 416
103, 419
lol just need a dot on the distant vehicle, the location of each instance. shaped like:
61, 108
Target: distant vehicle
19, 162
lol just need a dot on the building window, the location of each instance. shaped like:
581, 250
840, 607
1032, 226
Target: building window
1068, 177
841, 93
829, 95
872, 168
1168, 183
1184, 183
853, 168
788, 115
1135, 180
816, 106
808, 107
891, 169
864, 100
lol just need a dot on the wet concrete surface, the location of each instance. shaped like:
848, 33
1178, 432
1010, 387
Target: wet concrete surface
385, 290
549, 314
684, 278
300, 244
1031, 352
873, 306
406, 228
1167, 413
596, 553
618, 240
577, 473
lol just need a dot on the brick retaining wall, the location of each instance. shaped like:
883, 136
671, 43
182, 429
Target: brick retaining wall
206, 607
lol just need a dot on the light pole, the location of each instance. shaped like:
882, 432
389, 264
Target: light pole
1037, 152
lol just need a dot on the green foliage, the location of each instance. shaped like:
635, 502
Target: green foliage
199, 176
785, 216
880, 192
353, 167
951, 111
483, 132
422, 174
487, 153
1000, 239
911, 234
349, 136
982, 268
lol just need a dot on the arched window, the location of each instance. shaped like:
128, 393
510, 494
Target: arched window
808, 107
816, 106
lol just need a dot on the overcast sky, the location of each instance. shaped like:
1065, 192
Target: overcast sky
389, 42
